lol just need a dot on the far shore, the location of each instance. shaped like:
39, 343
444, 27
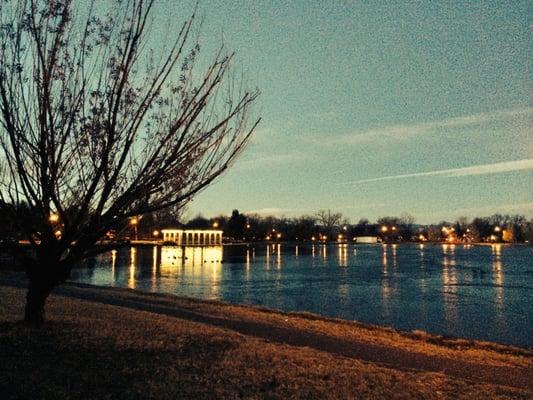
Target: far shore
119, 343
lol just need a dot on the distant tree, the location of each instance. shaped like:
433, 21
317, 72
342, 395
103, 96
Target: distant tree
97, 127
362, 228
236, 225
434, 233
528, 231
480, 229
304, 227
406, 226
329, 221
198, 222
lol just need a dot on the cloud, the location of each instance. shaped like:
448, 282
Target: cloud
484, 169
403, 131
311, 211
276, 211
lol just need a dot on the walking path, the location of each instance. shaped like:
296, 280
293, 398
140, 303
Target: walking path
477, 362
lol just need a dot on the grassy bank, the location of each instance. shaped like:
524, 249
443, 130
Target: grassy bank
113, 343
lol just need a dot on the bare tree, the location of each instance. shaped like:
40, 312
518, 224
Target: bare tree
329, 221
98, 126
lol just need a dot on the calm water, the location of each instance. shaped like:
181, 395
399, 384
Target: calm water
483, 292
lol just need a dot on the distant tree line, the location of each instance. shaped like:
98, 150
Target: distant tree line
325, 225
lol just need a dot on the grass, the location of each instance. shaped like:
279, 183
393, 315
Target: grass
92, 350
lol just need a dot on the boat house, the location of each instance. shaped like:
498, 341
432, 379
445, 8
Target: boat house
192, 237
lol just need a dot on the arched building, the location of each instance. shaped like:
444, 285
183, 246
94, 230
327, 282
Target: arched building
192, 237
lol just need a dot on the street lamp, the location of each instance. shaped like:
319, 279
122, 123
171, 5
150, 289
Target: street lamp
384, 228
134, 221
215, 224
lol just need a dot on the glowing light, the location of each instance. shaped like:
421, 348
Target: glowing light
497, 229
384, 229
155, 233
53, 218
58, 234
313, 238
278, 235
215, 224
134, 221
393, 228
247, 226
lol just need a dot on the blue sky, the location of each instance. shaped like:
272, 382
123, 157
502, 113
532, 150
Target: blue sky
378, 108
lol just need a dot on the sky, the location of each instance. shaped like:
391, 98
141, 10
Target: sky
374, 108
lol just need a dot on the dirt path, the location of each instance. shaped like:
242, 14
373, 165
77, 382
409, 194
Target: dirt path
388, 356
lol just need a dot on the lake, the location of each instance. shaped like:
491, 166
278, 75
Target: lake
478, 292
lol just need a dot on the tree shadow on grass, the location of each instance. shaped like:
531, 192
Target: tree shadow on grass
60, 362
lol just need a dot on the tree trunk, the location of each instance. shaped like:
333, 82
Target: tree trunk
38, 292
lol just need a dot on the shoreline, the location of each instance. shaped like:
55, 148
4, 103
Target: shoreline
17, 279
474, 367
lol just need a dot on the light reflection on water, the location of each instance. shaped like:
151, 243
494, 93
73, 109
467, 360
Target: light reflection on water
468, 291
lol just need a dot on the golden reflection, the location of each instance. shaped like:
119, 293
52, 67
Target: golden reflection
171, 258
343, 255
113, 264
449, 280
194, 256
133, 257
248, 264
296, 251
498, 277
394, 255
154, 268
324, 249
278, 256
384, 259
313, 251
268, 257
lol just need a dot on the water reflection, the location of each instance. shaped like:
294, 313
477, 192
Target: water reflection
154, 268
133, 259
449, 280
397, 285
343, 255
385, 285
497, 276
113, 266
